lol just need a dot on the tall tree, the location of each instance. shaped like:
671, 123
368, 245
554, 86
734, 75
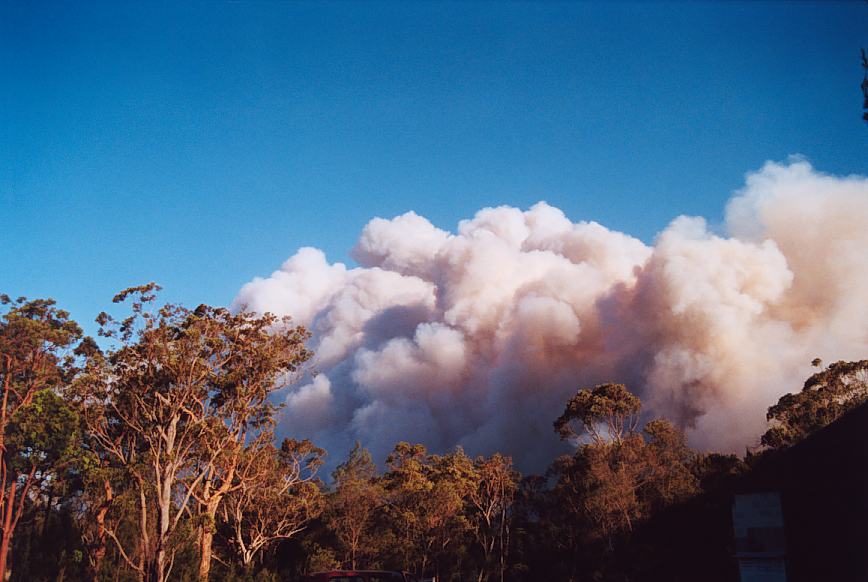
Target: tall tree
620, 473
256, 356
36, 343
608, 412
275, 496
491, 498
426, 501
172, 403
408, 490
444, 516
352, 507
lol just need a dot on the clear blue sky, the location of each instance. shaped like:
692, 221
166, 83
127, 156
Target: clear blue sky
200, 144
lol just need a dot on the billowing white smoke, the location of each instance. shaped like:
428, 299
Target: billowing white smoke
478, 338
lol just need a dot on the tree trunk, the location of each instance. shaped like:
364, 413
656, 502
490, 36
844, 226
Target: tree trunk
4, 555
7, 533
99, 549
157, 571
206, 530
206, 540
144, 538
164, 516
247, 559
166, 479
504, 541
503, 556
5, 506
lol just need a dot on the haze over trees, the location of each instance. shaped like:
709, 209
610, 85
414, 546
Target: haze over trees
152, 456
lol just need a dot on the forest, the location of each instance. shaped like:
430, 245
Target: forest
151, 454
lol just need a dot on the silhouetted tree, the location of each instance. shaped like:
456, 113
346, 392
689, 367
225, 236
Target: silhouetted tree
865, 85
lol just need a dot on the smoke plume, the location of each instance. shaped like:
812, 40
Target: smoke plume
478, 337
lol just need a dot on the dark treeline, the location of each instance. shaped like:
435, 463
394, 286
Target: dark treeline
152, 456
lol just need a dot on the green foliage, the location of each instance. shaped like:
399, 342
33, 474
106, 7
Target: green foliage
322, 559
608, 411
359, 466
354, 505
617, 480
716, 472
38, 432
277, 498
42, 434
825, 397
36, 327
172, 410
176, 418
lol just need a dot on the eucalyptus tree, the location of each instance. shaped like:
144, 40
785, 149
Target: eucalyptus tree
426, 503
621, 472
38, 432
354, 504
275, 497
826, 396
170, 407
257, 356
491, 497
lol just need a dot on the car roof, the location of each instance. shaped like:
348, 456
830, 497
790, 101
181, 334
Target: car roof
366, 574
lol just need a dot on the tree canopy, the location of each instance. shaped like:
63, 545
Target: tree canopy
152, 454
825, 397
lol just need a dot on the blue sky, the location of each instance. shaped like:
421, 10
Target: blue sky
200, 144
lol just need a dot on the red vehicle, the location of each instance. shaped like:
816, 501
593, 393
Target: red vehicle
361, 576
